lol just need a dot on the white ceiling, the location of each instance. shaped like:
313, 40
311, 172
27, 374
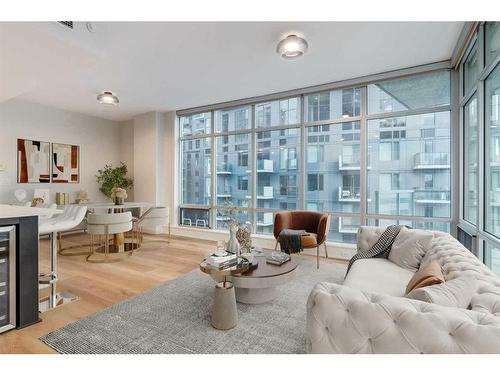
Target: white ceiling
170, 65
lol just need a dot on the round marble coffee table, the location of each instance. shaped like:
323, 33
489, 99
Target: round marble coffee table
260, 285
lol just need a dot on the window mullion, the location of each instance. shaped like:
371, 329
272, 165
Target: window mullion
303, 155
363, 172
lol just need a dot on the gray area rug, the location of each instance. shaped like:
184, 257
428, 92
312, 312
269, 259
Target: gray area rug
175, 318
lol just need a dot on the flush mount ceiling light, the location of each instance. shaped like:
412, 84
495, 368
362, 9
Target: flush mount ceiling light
292, 47
108, 98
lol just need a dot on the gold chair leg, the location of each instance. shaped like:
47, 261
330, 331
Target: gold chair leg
276, 245
326, 250
317, 257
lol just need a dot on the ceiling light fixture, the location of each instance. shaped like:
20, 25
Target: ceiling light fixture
292, 47
108, 98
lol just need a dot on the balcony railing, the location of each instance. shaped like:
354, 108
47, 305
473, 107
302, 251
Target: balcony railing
265, 165
224, 193
432, 197
431, 160
348, 225
351, 162
349, 194
266, 192
265, 219
224, 168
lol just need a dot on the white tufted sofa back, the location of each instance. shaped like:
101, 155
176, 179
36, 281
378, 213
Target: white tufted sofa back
344, 320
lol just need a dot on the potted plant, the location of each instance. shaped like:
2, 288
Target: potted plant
110, 178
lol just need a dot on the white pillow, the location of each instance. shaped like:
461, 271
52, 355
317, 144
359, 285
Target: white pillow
409, 248
454, 293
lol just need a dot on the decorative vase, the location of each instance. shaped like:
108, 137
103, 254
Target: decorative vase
244, 237
119, 201
233, 245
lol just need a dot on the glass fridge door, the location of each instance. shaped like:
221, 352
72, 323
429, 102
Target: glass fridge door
7, 278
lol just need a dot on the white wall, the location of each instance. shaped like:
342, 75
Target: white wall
127, 150
99, 142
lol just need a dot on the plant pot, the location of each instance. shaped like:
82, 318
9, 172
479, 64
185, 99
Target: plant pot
119, 201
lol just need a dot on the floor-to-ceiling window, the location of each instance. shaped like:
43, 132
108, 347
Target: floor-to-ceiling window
480, 146
376, 153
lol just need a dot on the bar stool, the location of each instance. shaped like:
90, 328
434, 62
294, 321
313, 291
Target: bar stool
103, 225
70, 218
154, 217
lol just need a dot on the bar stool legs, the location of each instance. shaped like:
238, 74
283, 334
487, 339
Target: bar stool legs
51, 277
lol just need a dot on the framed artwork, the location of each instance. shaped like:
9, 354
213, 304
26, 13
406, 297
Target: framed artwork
65, 163
33, 161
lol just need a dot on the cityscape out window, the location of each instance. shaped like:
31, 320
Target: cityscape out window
492, 37
333, 105
471, 162
492, 127
269, 156
414, 160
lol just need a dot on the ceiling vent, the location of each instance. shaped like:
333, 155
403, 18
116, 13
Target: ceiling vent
66, 24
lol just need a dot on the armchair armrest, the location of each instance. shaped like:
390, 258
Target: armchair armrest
345, 320
323, 228
282, 220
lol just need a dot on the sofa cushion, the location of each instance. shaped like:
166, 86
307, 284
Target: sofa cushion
427, 275
454, 293
409, 248
378, 275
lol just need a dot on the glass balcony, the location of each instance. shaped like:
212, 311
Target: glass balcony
431, 160
349, 194
265, 219
264, 192
224, 168
226, 192
265, 166
351, 162
348, 225
432, 197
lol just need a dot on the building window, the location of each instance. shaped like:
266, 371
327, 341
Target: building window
315, 182
333, 105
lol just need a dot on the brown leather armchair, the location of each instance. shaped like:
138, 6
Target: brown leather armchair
317, 224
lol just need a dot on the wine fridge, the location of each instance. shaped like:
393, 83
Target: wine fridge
7, 278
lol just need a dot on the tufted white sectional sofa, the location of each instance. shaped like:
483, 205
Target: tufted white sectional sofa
365, 316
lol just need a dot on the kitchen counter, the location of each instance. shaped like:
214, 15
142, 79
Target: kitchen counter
11, 211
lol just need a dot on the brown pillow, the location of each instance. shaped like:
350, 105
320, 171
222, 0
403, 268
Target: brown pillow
431, 274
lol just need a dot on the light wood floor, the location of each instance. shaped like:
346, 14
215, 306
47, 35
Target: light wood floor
100, 285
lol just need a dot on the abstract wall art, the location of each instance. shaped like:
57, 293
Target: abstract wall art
33, 161
65, 163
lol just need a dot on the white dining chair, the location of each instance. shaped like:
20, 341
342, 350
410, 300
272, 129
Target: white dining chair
153, 217
68, 219
104, 225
